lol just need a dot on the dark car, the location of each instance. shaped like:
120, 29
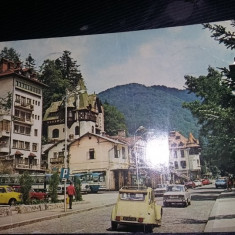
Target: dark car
221, 183
190, 184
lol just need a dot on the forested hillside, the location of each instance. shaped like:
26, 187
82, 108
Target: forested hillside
155, 107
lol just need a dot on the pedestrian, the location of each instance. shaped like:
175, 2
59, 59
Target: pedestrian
71, 192
229, 184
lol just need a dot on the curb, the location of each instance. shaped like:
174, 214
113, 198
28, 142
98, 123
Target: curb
59, 215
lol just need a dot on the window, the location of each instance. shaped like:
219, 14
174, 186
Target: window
21, 144
193, 151
175, 154
35, 147
27, 145
182, 153
22, 129
92, 129
176, 165
123, 153
91, 154
15, 144
183, 164
35, 132
61, 154
16, 128
28, 116
55, 133
17, 99
27, 130
77, 130
55, 154
115, 151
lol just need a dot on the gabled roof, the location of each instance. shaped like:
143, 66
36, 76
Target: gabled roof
177, 140
98, 136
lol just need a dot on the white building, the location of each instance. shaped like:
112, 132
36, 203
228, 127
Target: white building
21, 124
184, 155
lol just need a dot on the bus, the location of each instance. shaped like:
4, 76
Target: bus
92, 179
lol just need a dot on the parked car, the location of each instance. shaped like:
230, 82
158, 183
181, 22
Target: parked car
33, 195
221, 183
176, 194
206, 182
8, 195
198, 183
160, 190
190, 184
136, 206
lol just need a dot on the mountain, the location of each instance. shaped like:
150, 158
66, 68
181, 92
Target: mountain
154, 107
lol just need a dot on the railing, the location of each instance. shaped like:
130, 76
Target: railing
57, 160
25, 105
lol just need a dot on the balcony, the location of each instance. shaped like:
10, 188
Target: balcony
57, 160
24, 105
23, 120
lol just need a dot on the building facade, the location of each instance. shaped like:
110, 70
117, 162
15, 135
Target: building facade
20, 124
84, 114
184, 156
93, 153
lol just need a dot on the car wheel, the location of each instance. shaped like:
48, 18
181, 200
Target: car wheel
189, 202
114, 225
12, 202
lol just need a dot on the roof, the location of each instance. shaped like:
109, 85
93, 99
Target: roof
177, 140
98, 136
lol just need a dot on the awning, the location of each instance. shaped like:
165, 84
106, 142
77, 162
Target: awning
18, 152
32, 155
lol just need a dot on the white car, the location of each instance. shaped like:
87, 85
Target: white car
197, 183
176, 194
160, 190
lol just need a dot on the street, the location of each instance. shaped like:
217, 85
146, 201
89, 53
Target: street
175, 219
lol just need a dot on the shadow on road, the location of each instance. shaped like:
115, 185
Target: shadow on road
204, 197
193, 221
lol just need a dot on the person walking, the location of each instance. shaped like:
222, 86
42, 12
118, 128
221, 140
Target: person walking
71, 192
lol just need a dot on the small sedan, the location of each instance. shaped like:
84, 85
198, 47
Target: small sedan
177, 194
221, 183
9, 196
206, 181
198, 183
136, 206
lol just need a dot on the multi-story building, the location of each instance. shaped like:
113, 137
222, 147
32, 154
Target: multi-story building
184, 155
21, 124
84, 114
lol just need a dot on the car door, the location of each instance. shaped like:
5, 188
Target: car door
3, 196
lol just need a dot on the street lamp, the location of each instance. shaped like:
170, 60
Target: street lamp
136, 157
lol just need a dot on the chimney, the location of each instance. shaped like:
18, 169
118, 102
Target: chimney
6, 65
122, 133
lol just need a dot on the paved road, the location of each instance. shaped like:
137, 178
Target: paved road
175, 219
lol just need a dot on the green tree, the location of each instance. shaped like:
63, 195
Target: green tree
52, 77
26, 182
5, 102
30, 62
69, 68
53, 185
10, 54
77, 185
215, 112
114, 120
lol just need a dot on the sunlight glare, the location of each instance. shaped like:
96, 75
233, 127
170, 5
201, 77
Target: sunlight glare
157, 151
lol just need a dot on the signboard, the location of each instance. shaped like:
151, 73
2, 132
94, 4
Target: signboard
64, 174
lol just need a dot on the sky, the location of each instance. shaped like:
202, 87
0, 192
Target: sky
149, 57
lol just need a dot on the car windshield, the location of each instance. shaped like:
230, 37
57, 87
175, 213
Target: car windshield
9, 189
175, 188
132, 196
221, 180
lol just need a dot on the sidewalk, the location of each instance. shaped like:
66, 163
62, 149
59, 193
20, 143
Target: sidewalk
222, 217
90, 202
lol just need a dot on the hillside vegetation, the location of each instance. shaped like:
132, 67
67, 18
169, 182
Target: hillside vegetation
154, 107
